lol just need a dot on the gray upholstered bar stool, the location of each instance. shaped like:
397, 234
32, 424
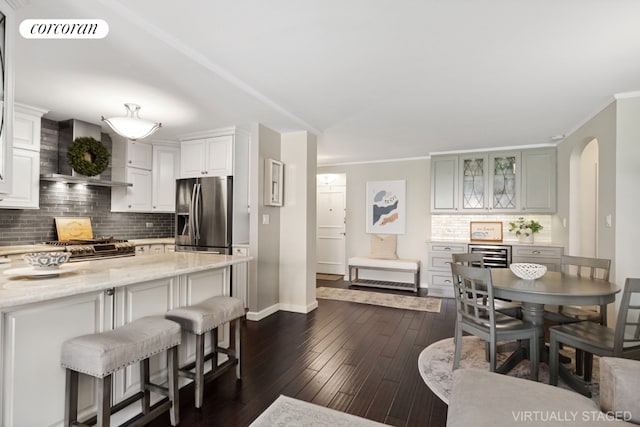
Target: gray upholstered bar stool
101, 354
201, 318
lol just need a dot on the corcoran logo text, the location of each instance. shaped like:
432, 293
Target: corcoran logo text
64, 29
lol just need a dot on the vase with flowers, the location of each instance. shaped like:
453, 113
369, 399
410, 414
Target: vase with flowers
525, 229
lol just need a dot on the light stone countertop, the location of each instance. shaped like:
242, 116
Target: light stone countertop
95, 275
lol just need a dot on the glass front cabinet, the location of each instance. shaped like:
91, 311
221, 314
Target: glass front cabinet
495, 182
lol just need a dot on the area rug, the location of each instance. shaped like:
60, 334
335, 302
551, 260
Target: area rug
378, 298
332, 277
288, 412
436, 361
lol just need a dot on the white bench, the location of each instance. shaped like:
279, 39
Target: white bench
398, 265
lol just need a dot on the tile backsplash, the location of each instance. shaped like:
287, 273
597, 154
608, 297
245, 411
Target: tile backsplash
456, 227
26, 226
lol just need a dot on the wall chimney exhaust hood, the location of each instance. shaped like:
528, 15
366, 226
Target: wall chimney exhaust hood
70, 130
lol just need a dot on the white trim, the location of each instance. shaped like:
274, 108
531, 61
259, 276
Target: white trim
257, 316
626, 95
28, 109
231, 130
364, 162
294, 308
496, 149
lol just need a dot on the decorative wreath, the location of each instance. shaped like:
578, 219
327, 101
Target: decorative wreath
88, 156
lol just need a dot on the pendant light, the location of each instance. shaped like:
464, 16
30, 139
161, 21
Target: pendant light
132, 126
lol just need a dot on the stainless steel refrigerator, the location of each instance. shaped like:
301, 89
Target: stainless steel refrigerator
204, 213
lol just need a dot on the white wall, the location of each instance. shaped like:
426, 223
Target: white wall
410, 245
297, 289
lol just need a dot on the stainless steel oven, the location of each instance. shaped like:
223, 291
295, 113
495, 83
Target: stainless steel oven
495, 256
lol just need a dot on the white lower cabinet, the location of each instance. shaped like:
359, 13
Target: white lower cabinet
132, 302
33, 382
196, 288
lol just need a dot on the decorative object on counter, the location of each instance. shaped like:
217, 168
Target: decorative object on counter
132, 126
386, 207
525, 229
87, 156
485, 231
528, 271
273, 183
46, 260
27, 273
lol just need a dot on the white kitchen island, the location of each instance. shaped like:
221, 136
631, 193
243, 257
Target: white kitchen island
38, 314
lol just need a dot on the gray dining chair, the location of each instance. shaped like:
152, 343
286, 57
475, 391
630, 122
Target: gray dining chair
510, 308
472, 286
593, 338
594, 268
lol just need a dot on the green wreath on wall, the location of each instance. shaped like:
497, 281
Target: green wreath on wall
88, 156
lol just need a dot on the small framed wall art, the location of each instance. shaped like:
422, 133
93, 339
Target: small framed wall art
486, 231
273, 182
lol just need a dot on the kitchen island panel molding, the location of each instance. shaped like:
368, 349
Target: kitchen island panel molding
32, 338
39, 315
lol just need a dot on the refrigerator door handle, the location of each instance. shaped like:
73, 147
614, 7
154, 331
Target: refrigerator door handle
191, 214
197, 209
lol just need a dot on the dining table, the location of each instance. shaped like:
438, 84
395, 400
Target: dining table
553, 288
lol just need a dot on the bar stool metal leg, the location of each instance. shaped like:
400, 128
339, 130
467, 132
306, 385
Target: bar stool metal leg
174, 412
199, 373
104, 402
236, 347
144, 380
71, 398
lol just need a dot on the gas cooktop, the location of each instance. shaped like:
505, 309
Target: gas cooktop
98, 247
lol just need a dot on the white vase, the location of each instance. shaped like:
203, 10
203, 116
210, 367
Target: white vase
525, 239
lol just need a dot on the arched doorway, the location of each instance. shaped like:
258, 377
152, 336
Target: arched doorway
583, 203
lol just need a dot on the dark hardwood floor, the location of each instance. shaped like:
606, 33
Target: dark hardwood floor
355, 358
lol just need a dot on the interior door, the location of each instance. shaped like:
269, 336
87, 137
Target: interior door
330, 238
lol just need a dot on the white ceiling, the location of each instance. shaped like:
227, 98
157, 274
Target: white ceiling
375, 79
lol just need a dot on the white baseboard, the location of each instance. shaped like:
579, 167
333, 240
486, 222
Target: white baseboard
259, 315
294, 308
256, 316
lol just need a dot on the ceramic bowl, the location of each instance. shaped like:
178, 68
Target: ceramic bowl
46, 260
528, 271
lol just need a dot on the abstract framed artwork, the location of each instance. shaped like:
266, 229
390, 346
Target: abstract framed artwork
386, 207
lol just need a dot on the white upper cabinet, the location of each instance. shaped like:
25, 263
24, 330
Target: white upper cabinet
207, 157
163, 177
25, 171
151, 168
496, 182
7, 41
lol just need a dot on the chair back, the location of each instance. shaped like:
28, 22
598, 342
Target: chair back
472, 286
594, 268
468, 259
628, 325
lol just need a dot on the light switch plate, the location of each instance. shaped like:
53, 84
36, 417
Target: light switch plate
265, 219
